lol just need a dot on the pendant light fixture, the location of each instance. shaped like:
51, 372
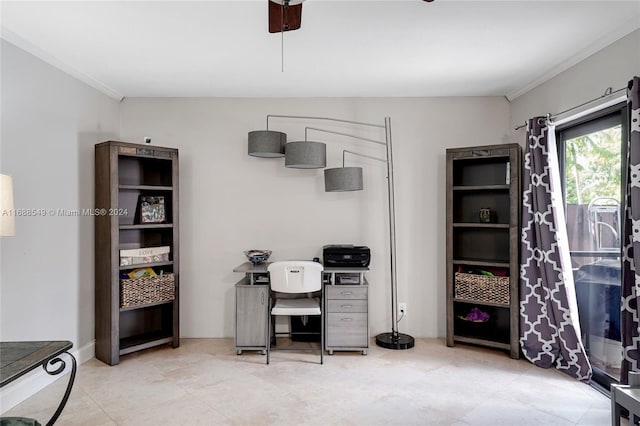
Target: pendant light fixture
267, 143
305, 155
342, 179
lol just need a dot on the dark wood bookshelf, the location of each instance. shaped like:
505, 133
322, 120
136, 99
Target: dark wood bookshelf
483, 177
123, 173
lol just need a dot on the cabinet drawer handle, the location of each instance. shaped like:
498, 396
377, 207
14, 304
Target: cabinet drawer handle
346, 306
262, 298
346, 293
346, 319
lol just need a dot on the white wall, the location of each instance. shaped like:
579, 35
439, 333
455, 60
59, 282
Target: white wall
611, 67
50, 122
232, 202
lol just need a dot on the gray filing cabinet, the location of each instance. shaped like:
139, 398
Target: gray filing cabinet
252, 305
346, 310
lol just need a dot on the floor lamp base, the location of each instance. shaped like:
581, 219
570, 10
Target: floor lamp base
397, 341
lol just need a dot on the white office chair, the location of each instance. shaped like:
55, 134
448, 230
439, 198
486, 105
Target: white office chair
293, 277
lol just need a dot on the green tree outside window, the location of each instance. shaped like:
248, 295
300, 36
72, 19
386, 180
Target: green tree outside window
593, 166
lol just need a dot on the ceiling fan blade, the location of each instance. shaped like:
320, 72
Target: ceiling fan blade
291, 2
283, 18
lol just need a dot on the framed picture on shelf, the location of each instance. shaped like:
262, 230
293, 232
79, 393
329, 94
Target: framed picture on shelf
152, 209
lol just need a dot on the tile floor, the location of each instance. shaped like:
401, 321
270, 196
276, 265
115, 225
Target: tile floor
204, 382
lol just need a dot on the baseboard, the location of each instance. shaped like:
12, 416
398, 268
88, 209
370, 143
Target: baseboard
26, 386
86, 353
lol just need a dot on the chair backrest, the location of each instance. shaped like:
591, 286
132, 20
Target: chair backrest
295, 276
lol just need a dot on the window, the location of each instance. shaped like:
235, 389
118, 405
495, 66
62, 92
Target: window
592, 154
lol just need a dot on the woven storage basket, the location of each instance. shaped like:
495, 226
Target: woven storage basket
143, 291
482, 288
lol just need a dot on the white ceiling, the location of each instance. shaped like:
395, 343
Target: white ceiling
344, 48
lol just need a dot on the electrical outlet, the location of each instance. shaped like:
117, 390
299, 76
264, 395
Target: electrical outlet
402, 307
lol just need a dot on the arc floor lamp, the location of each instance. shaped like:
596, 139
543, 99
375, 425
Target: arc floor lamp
312, 154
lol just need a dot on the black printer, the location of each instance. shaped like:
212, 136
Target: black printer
346, 256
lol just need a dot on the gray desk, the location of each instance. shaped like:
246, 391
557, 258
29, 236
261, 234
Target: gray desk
252, 271
19, 358
252, 308
346, 309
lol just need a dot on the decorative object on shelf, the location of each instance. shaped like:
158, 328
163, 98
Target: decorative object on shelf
144, 255
142, 273
152, 209
257, 256
482, 288
475, 315
7, 218
486, 215
350, 179
147, 290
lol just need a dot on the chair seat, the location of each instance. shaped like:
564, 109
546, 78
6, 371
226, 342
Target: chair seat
306, 306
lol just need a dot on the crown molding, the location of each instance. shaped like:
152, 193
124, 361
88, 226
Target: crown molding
34, 50
623, 30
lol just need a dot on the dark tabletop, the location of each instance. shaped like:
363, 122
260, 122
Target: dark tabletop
18, 358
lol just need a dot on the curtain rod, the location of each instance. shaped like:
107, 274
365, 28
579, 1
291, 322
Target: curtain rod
608, 92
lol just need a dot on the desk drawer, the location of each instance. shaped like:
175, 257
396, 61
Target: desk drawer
347, 329
346, 305
346, 292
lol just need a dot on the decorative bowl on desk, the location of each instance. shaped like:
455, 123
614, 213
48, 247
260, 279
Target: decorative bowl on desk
257, 256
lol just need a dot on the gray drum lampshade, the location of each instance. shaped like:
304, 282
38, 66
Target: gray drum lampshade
343, 179
305, 155
267, 143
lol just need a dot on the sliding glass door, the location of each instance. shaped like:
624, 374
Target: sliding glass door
592, 159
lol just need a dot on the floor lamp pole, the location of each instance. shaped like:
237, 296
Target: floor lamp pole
394, 339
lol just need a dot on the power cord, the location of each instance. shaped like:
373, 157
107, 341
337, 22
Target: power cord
400, 319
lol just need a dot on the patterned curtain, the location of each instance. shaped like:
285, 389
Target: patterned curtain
549, 325
630, 291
